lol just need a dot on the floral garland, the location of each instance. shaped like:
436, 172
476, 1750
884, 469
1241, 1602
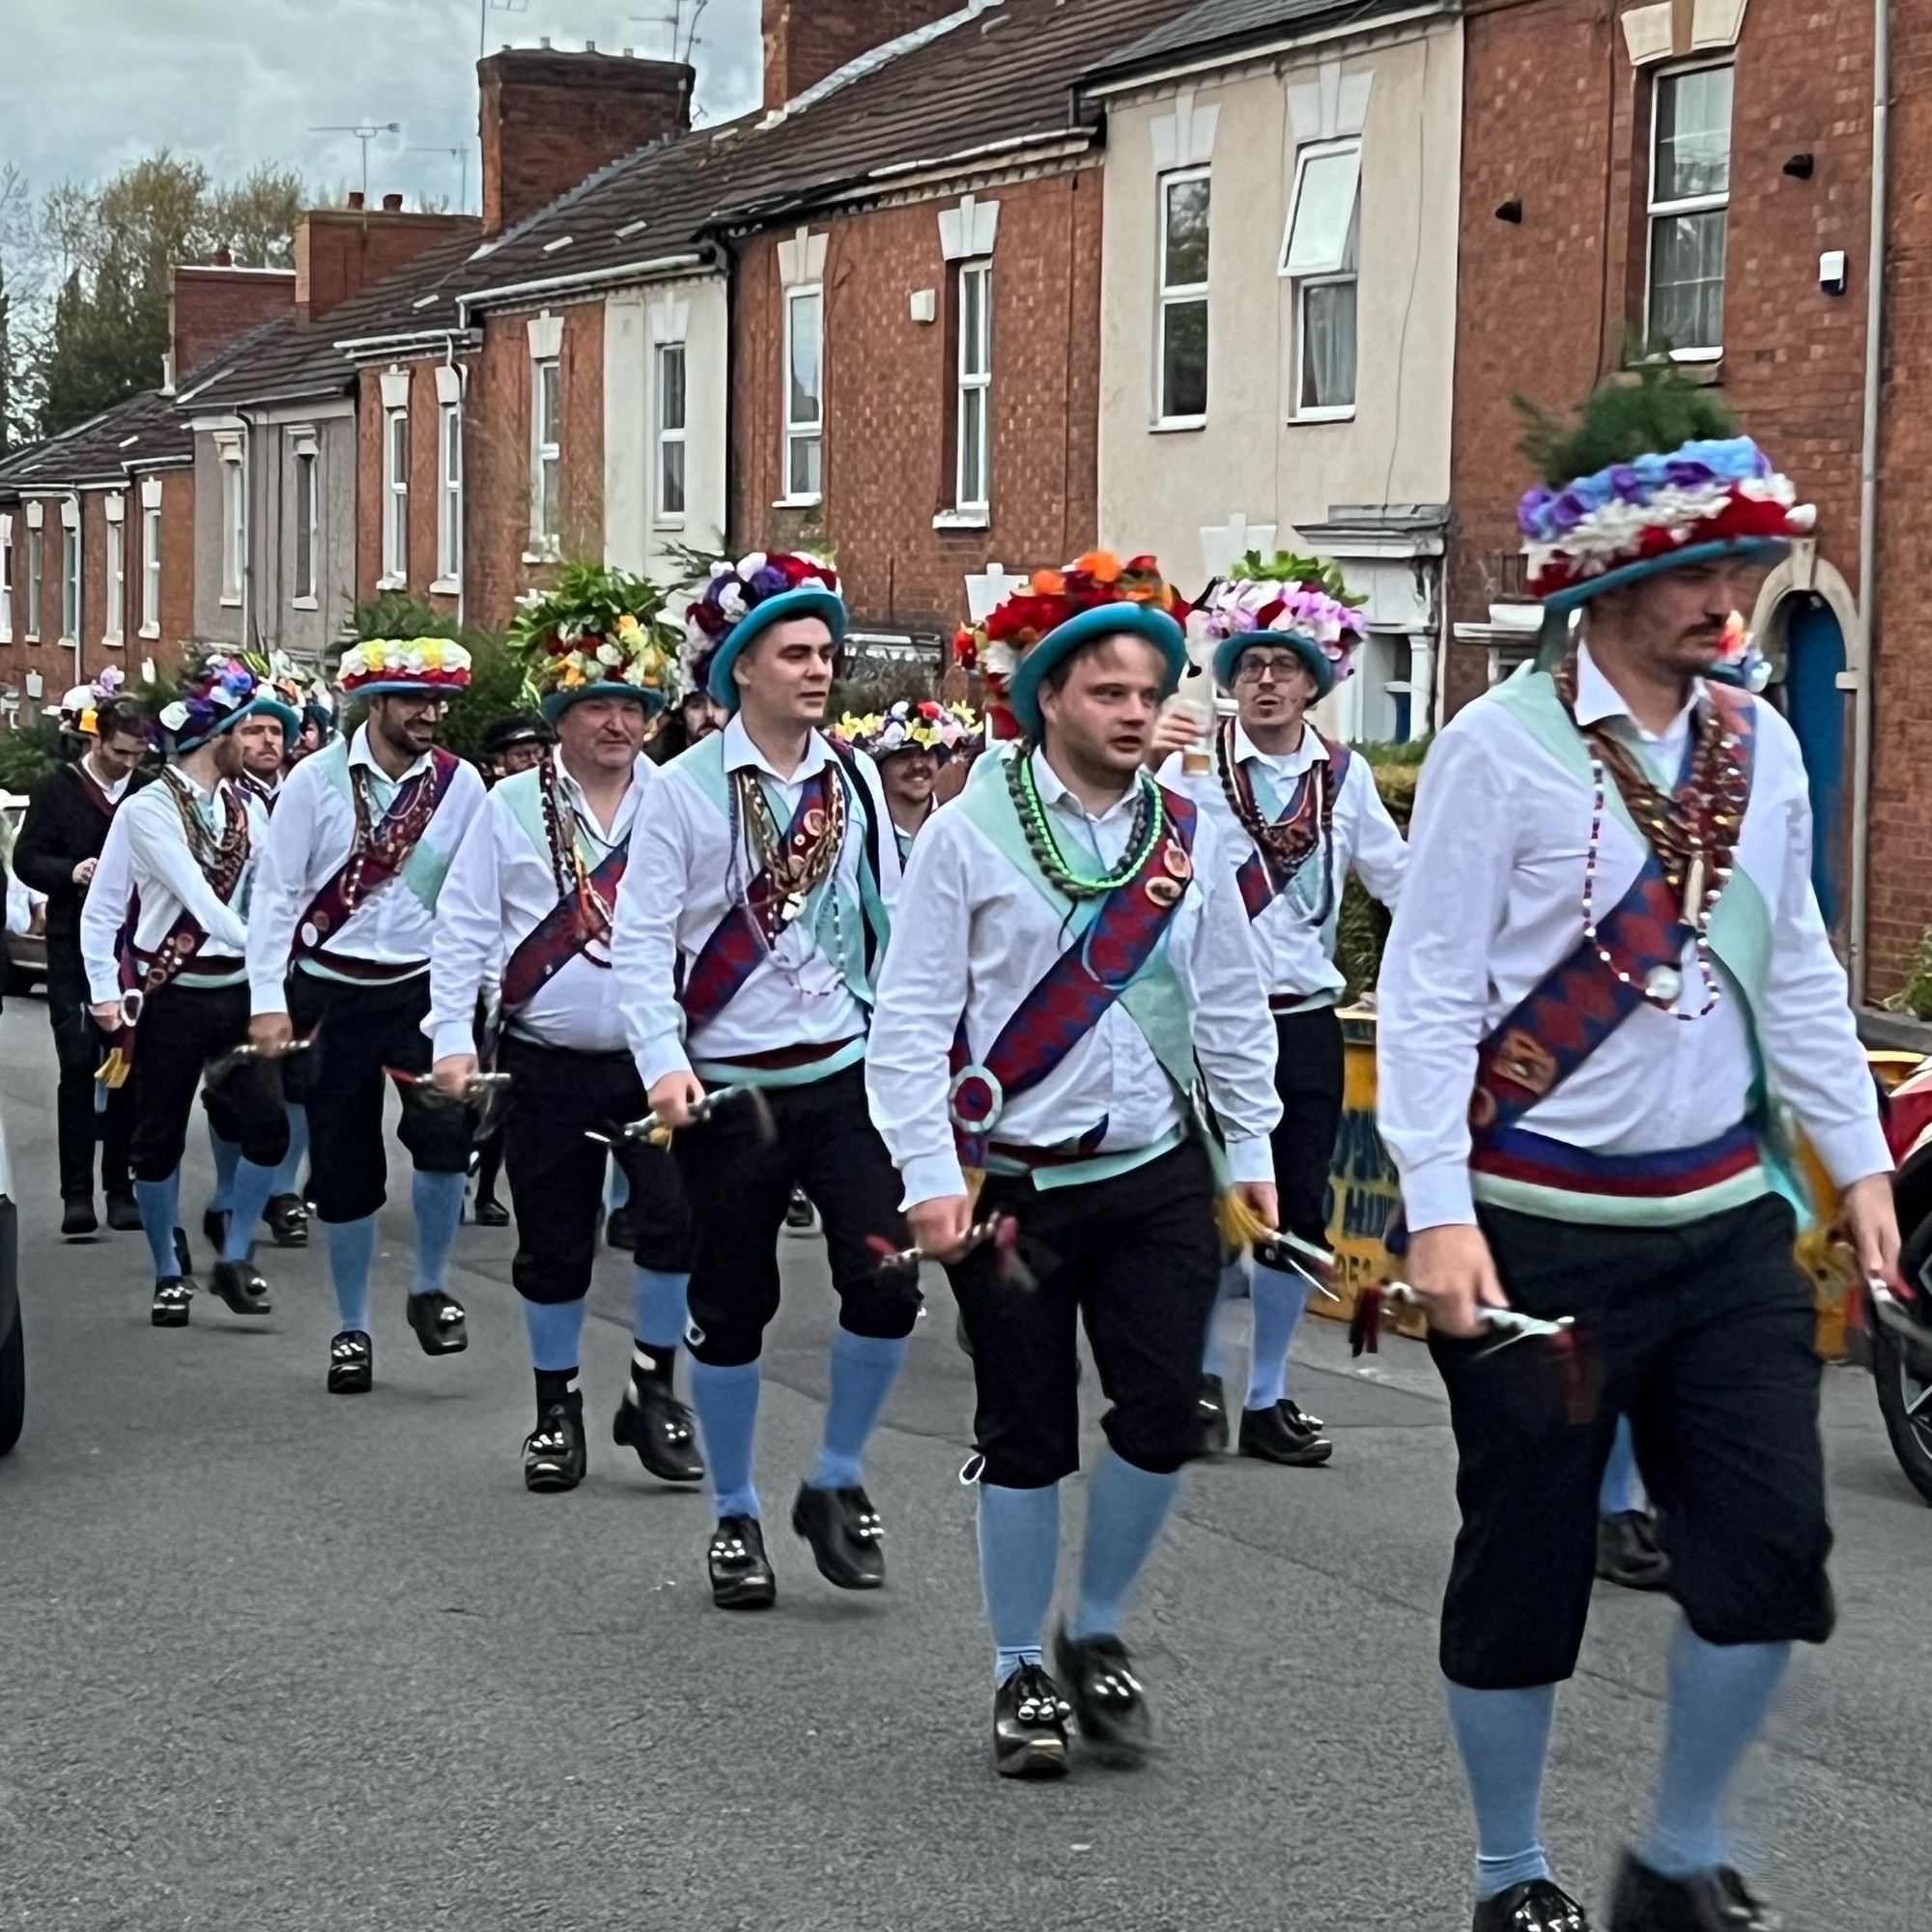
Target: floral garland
79, 708
732, 591
1652, 506
221, 686
434, 662
1294, 596
947, 730
598, 626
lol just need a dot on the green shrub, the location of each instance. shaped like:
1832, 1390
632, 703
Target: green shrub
27, 755
1915, 997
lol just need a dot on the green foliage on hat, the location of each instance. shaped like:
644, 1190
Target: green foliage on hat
1285, 567
1659, 411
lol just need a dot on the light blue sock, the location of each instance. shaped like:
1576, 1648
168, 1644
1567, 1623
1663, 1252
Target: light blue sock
1019, 1550
227, 1153
727, 1402
658, 1310
864, 1368
1504, 1737
1720, 1694
1233, 1285
438, 1200
555, 1329
352, 1253
160, 1202
249, 1194
1279, 1298
1125, 1508
288, 1177
1623, 1490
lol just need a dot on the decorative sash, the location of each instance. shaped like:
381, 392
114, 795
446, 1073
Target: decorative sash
377, 854
1261, 883
569, 928
1104, 962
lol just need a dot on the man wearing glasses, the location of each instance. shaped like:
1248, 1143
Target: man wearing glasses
338, 949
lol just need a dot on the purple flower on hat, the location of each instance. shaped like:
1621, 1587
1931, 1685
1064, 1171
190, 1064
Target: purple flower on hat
770, 582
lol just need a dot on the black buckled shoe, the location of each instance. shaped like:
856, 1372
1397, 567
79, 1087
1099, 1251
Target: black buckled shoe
351, 1363
1536, 1905
845, 1532
490, 1213
653, 1422
78, 1220
555, 1454
237, 1283
123, 1212
1271, 1435
169, 1307
1109, 1703
287, 1216
441, 1324
1629, 1553
1298, 1417
1029, 1725
1718, 1901
1211, 1407
741, 1575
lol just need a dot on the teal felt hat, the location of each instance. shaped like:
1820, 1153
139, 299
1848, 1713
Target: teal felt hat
805, 601
1123, 618
553, 704
1320, 666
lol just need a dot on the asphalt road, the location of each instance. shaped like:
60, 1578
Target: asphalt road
274, 1659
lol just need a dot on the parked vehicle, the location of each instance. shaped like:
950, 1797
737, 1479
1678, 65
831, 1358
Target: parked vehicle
13, 1344
1895, 1336
27, 910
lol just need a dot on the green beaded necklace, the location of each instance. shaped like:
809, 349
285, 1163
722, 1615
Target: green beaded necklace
1150, 822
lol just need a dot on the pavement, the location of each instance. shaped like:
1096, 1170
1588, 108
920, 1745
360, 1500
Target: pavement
273, 1660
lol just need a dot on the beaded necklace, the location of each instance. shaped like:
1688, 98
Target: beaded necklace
754, 825
594, 912
1150, 822
220, 859
1694, 832
1285, 844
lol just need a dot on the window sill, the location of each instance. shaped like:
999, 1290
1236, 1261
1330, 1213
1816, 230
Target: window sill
798, 502
30, 636
304, 603
963, 520
1340, 416
540, 556
113, 643
446, 586
1175, 426
149, 633
671, 523
229, 603
392, 583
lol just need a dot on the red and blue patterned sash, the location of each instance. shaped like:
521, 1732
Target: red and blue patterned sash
1260, 885
373, 863
1074, 993
749, 929
572, 926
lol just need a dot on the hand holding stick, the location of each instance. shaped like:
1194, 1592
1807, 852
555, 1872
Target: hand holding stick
1000, 1231
653, 1130
1509, 1325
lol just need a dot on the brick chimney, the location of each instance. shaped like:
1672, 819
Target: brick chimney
210, 308
807, 40
548, 118
341, 251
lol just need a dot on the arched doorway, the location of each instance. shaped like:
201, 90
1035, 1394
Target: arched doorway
1814, 661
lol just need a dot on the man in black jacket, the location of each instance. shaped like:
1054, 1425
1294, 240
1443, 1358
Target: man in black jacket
66, 827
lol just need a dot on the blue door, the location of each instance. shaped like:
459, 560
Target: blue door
1816, 708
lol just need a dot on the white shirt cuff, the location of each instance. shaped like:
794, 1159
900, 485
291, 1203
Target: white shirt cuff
1251, 1163
1437, 1195
453, 1037
932, 1176
102, 990
1851, 1151
658, 1058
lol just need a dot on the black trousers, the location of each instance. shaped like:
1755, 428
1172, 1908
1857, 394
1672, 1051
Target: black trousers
360, 1030
738, 1179
556, 1176
1137, 1258
1308, 1078
1705, 1336
80, 1047
182, 1029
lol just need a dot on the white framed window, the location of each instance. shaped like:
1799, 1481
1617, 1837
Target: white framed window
1318, 254
448, 495
546, 457
151, 570
307, 519
37, 563
70, 633
1688, 210
805, 395
672, 407
6, 579
1186, 201
113, 621
234, 520
973, 426
395, 497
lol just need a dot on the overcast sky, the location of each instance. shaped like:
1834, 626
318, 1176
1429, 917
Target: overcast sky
90, 84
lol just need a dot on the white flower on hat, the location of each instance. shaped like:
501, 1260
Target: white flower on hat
751, 564
174, 717
731, 601
609, 654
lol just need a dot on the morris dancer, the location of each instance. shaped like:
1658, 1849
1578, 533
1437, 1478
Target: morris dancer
1296, 813
1608, 946
909, 742
747, 928
355, 858
57, 853
1079, 950
526, 909
163, 947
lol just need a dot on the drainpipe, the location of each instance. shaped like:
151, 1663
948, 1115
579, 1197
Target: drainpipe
463, 490
1862, 700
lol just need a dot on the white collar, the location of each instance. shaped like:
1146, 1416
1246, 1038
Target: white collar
1291, 764
113, 787
740, 752
1057, 796
1598, 700
580, 802
360, 754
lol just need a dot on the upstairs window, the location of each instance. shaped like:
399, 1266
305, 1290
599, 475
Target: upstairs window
1689, 212
395, 497
804, 395
233, 519
37, 563
546, 457
151, 570
69, 584
450, 495
1318, 256
307, 519
1185, 206
973, 426
112, 619
671, 429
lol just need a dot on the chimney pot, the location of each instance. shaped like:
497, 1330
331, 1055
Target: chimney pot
589, 47
393, 204
544, 41
354, 197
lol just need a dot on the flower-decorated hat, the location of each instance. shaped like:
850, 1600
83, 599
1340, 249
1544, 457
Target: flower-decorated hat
912, 726
404, 668
1652, 475
741, 599
215, 697
1295, 601
1097, 596
79, 709
600, 634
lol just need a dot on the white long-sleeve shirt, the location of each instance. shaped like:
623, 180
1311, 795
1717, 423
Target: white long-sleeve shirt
684, 877
976, 936
499, 890
147, 853
310, 836
1493, 901
1291, 937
